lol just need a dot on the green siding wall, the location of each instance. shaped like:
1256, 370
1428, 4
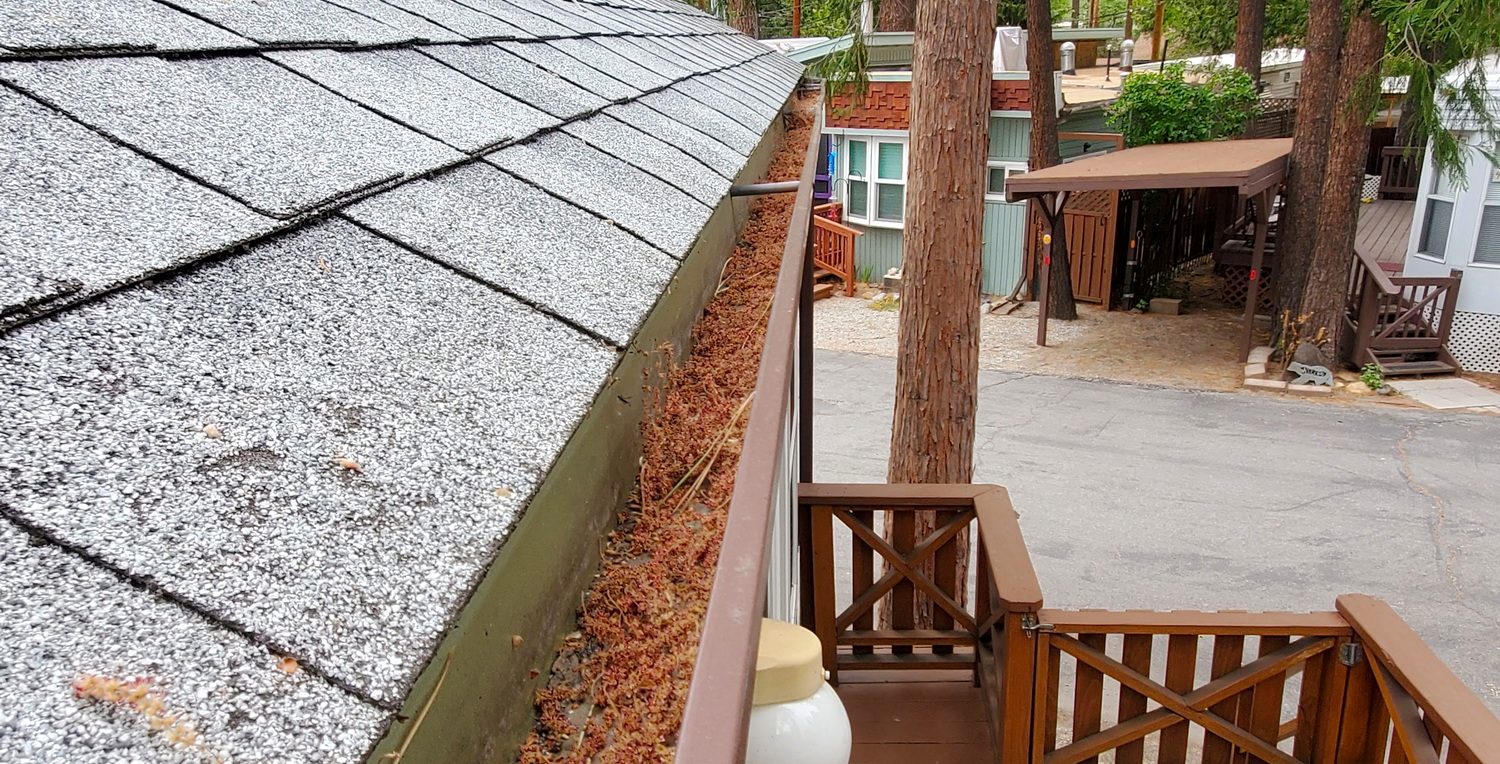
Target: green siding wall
1010, 138
1004, 242
879, 250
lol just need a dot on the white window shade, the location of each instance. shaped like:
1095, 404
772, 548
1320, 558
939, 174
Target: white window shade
1435, 225
1487, 248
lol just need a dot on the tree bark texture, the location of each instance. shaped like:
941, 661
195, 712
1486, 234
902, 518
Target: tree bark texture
1333, 245
1250, 37
1044, 150
897, 16
937, 372
1298, 221
744, 17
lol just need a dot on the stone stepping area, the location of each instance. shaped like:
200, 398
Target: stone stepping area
1449, 393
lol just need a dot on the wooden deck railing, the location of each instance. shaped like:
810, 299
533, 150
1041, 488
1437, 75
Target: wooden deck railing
774, 456
833, 248
1400, 171
1351, 686
1400, 323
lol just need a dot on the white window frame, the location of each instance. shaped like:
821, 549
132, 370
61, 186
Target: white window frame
1010, 168
1484, 205
872, 180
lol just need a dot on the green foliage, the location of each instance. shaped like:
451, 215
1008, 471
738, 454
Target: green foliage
886, 302
1176, 105
1200, 27
1434, 44
1372, 376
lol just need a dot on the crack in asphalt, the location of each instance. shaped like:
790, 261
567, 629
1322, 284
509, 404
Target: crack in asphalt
1450, 555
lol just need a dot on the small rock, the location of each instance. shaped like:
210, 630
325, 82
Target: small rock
515, 641
212, 432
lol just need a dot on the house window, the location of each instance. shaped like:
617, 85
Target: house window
875, 175
1438, 218
999, 173
1487, 249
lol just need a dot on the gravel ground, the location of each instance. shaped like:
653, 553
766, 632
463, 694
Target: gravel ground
853, 324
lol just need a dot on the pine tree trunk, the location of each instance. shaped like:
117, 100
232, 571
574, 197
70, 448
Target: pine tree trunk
896, 16
937, 372
1044, 150
1250, 37
1333, 247
1298, 223
743, 16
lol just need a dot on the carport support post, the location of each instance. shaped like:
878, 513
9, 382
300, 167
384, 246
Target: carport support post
1051, 205
1257, 259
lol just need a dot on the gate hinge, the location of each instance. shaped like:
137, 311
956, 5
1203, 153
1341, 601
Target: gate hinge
1031, 626
1351, 653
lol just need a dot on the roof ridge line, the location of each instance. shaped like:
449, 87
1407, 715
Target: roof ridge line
218, 620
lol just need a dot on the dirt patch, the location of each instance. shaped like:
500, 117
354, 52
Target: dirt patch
1199, 349
618, 687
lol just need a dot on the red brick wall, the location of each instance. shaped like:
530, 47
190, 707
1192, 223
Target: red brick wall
887, 104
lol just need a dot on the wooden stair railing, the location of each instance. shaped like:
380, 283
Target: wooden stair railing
833, 249
1400, 323
1409, 697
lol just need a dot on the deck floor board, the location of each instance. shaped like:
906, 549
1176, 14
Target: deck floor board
1384, 229
918, 717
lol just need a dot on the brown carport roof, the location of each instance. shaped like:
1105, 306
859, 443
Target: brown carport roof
1250, 166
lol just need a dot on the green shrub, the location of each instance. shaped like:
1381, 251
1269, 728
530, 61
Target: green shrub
1167, 106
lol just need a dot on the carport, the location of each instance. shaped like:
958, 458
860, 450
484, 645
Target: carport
1253, 168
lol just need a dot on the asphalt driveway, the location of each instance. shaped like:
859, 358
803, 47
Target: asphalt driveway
1134, 496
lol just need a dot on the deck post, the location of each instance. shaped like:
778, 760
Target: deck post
1257, 260
1016, 665
1051, 206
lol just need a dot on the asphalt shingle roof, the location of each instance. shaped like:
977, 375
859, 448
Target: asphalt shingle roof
413, 233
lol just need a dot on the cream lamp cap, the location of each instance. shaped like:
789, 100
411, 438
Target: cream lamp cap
789, 664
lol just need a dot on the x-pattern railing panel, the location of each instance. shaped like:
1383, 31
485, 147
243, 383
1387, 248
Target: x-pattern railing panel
1176, 706
905, 567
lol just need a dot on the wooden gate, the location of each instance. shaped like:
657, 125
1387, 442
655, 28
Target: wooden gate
1089, 218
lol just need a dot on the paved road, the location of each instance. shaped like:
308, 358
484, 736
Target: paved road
1145, 497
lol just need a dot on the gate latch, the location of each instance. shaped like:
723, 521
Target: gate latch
1031, 626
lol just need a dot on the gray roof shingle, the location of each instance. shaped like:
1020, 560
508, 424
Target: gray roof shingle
81, 214
84, 25
326, 343
286, 21
60, 616
461, 19
645, 205
414, 233
518, 78
657, 157
509, 233
262, 134
421, 93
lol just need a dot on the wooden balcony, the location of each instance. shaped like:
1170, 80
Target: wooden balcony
996, 676
1061, 686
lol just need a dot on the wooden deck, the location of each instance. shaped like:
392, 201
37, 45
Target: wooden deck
1384, 228
915, 717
